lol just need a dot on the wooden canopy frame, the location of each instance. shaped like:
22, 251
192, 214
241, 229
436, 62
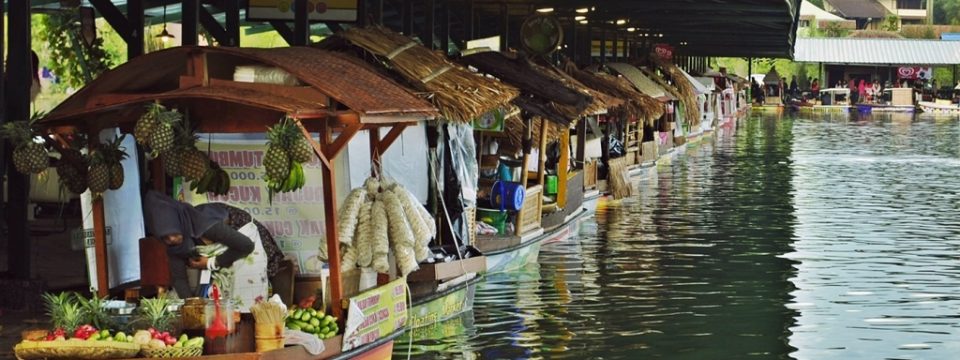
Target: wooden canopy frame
315, 108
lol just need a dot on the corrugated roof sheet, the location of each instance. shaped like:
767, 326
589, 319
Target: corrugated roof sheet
859, 8
641, 81
877, 51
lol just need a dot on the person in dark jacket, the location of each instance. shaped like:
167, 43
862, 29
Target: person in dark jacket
182, 227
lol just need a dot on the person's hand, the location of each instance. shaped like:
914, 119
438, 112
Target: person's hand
198, 262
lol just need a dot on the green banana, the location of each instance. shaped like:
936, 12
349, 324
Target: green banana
301, 178
204, 182
224, 183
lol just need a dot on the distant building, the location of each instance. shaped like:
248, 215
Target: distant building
813, 17
870, 14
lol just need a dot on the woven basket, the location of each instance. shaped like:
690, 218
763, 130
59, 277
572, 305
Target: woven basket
172, 352
68, 349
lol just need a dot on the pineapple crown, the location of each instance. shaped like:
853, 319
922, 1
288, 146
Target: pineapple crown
111, 152
93, 311
64, 310
284, 133
155, 314
18, 132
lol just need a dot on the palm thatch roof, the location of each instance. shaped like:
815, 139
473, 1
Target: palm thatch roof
460, 94
636, 103
687, 92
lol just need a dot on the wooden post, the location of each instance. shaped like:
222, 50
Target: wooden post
524, 174
326, 152
99, 228
541, 167
562, 167
582, 142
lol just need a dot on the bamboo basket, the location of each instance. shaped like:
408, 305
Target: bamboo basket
172, 352
70, 349
268, 336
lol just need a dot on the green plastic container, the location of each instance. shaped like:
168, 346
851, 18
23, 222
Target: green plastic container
495, 218
551, 184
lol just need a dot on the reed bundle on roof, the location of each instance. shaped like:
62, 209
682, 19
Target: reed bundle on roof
688, 94
637, 103
461, 95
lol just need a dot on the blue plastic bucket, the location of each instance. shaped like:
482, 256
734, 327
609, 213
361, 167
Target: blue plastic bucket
508, 195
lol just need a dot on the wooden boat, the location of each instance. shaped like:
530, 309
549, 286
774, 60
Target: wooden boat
939, 108
884, 108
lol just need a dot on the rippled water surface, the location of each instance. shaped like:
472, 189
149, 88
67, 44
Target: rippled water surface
828, 238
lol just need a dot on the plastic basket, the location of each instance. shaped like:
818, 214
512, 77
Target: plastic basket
73, 349
172, 352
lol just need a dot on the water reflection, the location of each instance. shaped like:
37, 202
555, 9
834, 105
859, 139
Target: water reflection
826, 238
877, 238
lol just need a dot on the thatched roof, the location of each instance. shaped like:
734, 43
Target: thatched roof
688, 92
460, 94
116, 97
543, 95
641, 82
638, 104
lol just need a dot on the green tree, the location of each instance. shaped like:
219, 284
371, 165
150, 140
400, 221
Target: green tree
946, 12
890, 23
833, 30
74, 61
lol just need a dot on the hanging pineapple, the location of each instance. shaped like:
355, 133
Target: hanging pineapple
195, 164
162, 138
147, 123
112, 155
72, 170
286, 153
29, 157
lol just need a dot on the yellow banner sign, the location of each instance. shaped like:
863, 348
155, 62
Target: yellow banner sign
295, 219
375, 314
317, 10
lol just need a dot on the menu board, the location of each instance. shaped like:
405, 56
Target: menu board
295, 219
375, 314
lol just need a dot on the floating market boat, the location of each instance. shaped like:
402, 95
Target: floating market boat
939, 108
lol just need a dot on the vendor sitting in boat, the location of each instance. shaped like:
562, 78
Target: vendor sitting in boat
183, 227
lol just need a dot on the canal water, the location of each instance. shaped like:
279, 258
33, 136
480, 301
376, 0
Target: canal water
792, 238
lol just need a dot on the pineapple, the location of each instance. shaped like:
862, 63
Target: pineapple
116, 176
112, 154
277, 163
154, 313
162, 139
98, 178
171, 163
292, 140
300, 151
64, 311
28, 157
147, 123
195, 164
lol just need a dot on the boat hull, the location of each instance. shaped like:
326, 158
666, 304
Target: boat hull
934, 108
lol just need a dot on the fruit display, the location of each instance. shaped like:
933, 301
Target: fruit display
155, 314
29, 156
287, 150
75, 335
311, 321
381, 217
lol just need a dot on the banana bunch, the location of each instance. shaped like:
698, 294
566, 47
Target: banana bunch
215, 180
295, 180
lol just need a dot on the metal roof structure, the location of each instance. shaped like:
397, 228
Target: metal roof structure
742, 28
862, 51
809, 10
859, 9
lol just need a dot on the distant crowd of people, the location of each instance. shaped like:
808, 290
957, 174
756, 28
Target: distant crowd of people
861, 90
